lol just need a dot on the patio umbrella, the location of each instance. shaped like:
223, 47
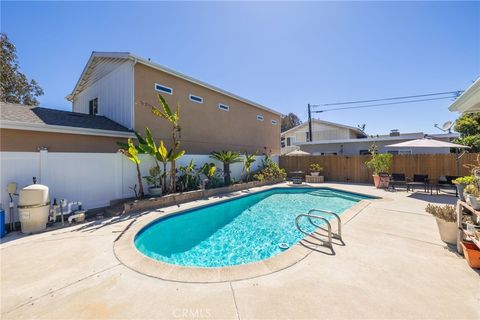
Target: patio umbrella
427, 143
298, 153
431, 143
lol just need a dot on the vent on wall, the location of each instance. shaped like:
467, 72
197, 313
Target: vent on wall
394, 133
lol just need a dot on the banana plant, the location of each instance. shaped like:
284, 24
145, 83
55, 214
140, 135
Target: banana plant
162, 154
165, 112
249, 160
131, 151
148, 146
186, 170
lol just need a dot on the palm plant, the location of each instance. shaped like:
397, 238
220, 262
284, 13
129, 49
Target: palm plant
174, 118
249, 160
227, 158
131, 151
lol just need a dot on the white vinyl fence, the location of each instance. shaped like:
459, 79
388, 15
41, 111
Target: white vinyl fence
92, 178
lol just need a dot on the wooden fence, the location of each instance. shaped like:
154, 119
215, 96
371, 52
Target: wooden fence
353, 169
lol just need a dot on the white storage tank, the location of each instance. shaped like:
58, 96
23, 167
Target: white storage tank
33, 208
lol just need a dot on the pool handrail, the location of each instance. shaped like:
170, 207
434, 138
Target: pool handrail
336, 216
309, 216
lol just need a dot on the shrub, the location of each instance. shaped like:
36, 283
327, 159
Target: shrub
446, 212
472, 190
379, 163
466, 180
315, 167
270, 171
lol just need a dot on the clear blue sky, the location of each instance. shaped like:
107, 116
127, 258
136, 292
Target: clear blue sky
282, 55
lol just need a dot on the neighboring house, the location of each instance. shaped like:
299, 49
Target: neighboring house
361, 146
321, 131
114, 85
28, 129
469, 100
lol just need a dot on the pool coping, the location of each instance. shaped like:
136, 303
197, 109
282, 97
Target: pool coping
127, 253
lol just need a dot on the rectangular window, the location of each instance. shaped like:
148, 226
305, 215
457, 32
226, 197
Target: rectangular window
260, 118
223, 107
364, 152
196, 99
290, 141
405, 152
274, 122
307, 136
393, 151
93, 106
162, 88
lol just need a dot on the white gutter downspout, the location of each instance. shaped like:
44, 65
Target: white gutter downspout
133, 94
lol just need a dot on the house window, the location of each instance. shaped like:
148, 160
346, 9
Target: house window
162, 88
260, 118
223, 107
196, 99
290, 141
274, 122
405, 152
307, 136
93, 106
393, 151
364, 152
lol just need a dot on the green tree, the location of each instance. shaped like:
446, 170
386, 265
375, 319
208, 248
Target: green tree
289, 121
14, 85
468, 125
227, 158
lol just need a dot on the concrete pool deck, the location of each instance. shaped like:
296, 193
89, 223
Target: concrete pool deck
393, 266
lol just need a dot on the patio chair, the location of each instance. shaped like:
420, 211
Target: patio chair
297, 177
419, 180
446, 184
397, 179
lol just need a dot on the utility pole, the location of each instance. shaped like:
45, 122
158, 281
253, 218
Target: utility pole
309, 123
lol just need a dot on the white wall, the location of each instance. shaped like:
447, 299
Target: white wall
115, 95
92, 178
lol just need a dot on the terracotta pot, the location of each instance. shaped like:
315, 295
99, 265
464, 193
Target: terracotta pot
472, 254
378, 184
448, 231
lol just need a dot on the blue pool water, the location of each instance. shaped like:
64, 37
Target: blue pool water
238, 231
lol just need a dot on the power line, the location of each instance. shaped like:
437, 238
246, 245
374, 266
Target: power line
455, 93
380, 104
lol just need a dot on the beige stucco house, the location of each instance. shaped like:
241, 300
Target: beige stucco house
321, 131
330, 138
114, 85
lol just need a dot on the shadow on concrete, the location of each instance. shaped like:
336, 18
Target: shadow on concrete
95, 225
439, 199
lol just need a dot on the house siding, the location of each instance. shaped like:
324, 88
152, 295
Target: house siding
114, 93
204, 127
30, 141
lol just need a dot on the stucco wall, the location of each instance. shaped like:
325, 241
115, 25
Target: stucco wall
29, 141
205, 128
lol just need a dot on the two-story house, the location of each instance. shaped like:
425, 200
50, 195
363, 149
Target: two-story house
114, 85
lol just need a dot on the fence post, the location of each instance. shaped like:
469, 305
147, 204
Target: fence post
43, 179
118, 175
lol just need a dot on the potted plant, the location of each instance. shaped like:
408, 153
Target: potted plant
461, 183
154, 181
379, 163
315, 169
446, 221
472, 196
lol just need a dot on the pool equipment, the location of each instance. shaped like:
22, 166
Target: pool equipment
77, 215
33, 208
12, 191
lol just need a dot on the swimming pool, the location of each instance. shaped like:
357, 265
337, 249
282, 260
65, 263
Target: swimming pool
238, 231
